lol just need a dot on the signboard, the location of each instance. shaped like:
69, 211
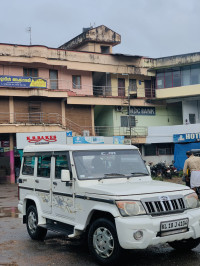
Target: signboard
24, 139
69, 133
142, 110
88, 140
22, 82
188, 137
118, 140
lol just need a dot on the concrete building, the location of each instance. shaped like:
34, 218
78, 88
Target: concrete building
84, 87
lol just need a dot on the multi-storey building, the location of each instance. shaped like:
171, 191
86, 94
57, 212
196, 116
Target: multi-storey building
84, 87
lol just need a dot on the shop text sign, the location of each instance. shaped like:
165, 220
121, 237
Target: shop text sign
142, 110
25, 139
22, 82
188, 137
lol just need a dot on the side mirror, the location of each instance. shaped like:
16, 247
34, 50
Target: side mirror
65, 176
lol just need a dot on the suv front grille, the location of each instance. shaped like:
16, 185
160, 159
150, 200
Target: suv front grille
155, 206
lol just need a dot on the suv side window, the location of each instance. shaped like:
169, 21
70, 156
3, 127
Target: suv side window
28, 165
61, 162
44, 166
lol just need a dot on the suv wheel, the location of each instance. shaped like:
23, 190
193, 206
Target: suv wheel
103, 241
185, 244
35, 232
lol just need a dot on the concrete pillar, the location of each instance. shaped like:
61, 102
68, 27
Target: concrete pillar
11, 109
93, 125
12, 160
63, 112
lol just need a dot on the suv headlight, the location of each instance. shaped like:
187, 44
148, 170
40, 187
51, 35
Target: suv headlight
130, 208
192, 201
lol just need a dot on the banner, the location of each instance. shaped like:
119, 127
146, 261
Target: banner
88, 140
142, 110
188, 137
22, 82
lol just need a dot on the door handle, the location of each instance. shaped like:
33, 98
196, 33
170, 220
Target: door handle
36, 181
55, 183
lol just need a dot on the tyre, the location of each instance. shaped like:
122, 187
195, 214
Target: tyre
185, 244
35, 232
103, 242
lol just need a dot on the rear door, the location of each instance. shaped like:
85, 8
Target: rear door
26, 179
43, 181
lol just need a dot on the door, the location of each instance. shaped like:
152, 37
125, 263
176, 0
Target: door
26, 178
121, 87
62, 192
43, 182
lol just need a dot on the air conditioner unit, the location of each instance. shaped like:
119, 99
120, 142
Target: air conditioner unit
118, 108
86, 133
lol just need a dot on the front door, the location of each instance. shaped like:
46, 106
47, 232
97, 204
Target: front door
62, 192
121, 87
43, 182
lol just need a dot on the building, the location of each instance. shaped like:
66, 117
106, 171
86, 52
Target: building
84, 87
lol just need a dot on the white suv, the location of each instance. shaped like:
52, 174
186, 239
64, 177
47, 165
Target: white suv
104, 192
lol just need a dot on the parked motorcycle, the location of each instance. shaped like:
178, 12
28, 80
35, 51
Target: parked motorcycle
173, 169
160, 169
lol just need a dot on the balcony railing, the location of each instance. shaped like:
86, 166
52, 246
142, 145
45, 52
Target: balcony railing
41, 118
93, 90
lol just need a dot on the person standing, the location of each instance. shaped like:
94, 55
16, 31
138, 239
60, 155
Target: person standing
193, 164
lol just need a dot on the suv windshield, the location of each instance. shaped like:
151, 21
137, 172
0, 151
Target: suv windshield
109, 164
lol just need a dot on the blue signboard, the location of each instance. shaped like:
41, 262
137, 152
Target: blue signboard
188, 137
22, 82
69, 133
136, 110
118, 140
88, 140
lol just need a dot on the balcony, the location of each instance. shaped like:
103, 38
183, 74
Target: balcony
26, 86
56, 121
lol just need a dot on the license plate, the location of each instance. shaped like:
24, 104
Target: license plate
173, 225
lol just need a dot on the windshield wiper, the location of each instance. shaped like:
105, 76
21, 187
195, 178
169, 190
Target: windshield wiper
114, 174
138, 174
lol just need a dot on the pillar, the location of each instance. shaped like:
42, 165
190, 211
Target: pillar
93, 125
11, 109
12, 160
63, 112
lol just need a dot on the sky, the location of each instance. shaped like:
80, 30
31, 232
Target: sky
151, 28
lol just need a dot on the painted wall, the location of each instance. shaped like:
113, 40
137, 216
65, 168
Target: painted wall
191, 107
103, 116
190, 90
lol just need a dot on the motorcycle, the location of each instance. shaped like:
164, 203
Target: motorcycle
173, 169
160, 169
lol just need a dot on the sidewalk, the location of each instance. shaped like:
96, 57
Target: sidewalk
8, 195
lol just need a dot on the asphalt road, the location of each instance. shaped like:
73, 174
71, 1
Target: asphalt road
16, 247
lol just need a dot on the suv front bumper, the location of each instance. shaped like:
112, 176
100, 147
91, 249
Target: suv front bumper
150, 226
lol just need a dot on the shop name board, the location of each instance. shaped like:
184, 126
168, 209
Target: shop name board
188, 137
36, 139
142, 110
24, 139
22, 82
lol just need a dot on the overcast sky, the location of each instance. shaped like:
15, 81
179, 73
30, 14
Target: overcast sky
152, 28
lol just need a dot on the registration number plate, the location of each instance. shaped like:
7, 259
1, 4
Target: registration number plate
174, 225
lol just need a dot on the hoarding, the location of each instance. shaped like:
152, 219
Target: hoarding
22, 82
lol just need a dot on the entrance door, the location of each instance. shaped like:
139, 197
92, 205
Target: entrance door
43, 182
62, 192
121, 87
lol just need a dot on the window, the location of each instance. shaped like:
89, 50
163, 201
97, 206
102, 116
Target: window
168, 79
61, 163
132, 85
53, 75
160, 80
127, 121
105, 49
28, 166
192, 118
185, 76
195, 75
31, 72
76, 82
177, 78
150, 150
44, 165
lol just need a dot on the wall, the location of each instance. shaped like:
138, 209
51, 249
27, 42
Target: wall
104, 118
191, 107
